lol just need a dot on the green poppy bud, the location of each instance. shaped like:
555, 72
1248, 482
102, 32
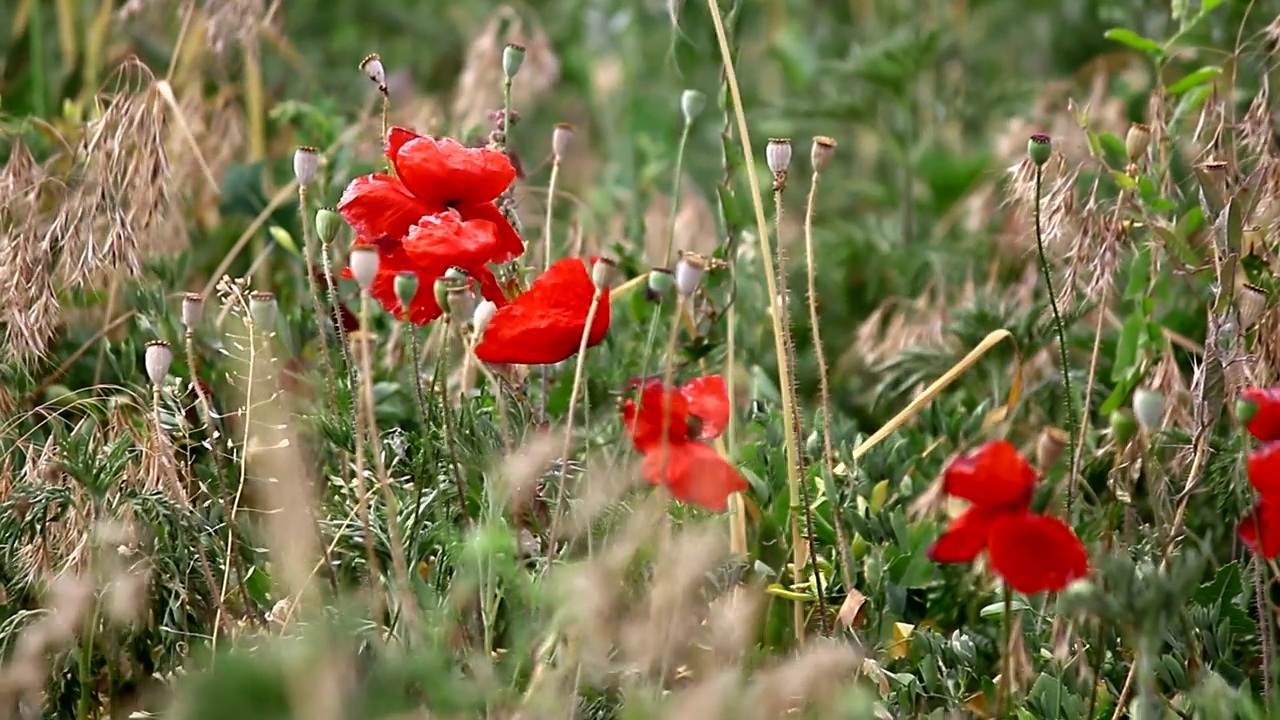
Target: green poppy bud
512, 59
1123, 426
1039, 148
328, 223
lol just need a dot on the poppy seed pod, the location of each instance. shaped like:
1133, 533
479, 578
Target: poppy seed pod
560, 138
372, 67
441, 289
1136, 141
689, 271
1049, 447
661, 282
778, 154
821, 152
306, 163
1039, 148
481, 316
328, 223
364, 265
1148, 408
406, 287
691, 104
192, 310
512, 59
157, 359
602, 273
262, 307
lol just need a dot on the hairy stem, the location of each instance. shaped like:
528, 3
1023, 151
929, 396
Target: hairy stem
1068, 397
317, 304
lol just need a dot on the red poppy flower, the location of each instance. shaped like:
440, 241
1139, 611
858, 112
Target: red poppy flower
1032, 552
1267, 526
1265, 424
544, 325
432, 174
1260, 529
668, 426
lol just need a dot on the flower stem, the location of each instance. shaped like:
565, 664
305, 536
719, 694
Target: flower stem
1062, 338
446, 410
546, 265
308, 244
1006, 669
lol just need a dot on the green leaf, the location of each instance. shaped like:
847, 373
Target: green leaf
282, 238
1194, 80
996, 609
1135, 41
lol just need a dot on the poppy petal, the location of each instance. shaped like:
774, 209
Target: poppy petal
1264, 470
994, 475
1263, 522
708, 400
694, 473
645, 419
1265, 425
544, 325
510, 246
441, 241
443, 171
1035, 553
965, 537
377, 205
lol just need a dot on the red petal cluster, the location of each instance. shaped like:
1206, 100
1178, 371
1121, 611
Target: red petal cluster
669, 426
1260, 529
437, 212
1032, 552
544, 324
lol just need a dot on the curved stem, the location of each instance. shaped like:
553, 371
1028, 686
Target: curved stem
308, 244
1062, 340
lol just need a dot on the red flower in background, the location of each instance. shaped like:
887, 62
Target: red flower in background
668, 427
432, 175
1260, 529
544, 325
1032, 552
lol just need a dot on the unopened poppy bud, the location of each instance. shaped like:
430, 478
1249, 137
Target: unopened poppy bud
441, 290
1246, 410
372, 66
512, 59
602, 272
1148, 408
689, 270
192, 310
157, 359
822, 151
1123, 426
560, 138
1049, 447
1136, 141
691, 104
306, 163
1039, 148
363, 261
481, 316
661, 282
328, 223
406, 287
778, 154
262, 307
462, 302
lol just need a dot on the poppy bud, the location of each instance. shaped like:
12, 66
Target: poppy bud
823, 149
157, 359
512, 59
441, 290
660, 282
1123, 426
1136, 141
482, 315
1246, 410
1148, 408
1039, 148
306, 163
372, 66
689, 270
1049, 447
262, 307
328, 223
364, 265
691, 104
778, 154
192, 310
406, 287
602, 273
560, 138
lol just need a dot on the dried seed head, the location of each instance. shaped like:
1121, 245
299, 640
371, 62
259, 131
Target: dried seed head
512, 59
306, 163
406, 287
691, 104
1148, 408
661, 282
560, 138
372, 67
1039, 148
262, 306
1136, 141
363, 261
821, 153
602, 272
689, 270
328, 223
1251, 303
481, 316
1049, 447
157, 359
778, 154
192, 310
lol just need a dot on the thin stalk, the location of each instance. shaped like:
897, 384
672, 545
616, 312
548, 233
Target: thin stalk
308, 243
824, 387
336, 316
766, 250
1006, 669
1062, 339
362, 495
86, 657
446, 410
1264, 630
386, 113
425, 418
546, 264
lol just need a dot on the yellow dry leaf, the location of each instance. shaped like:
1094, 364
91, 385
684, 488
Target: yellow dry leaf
901, 644
851, 609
